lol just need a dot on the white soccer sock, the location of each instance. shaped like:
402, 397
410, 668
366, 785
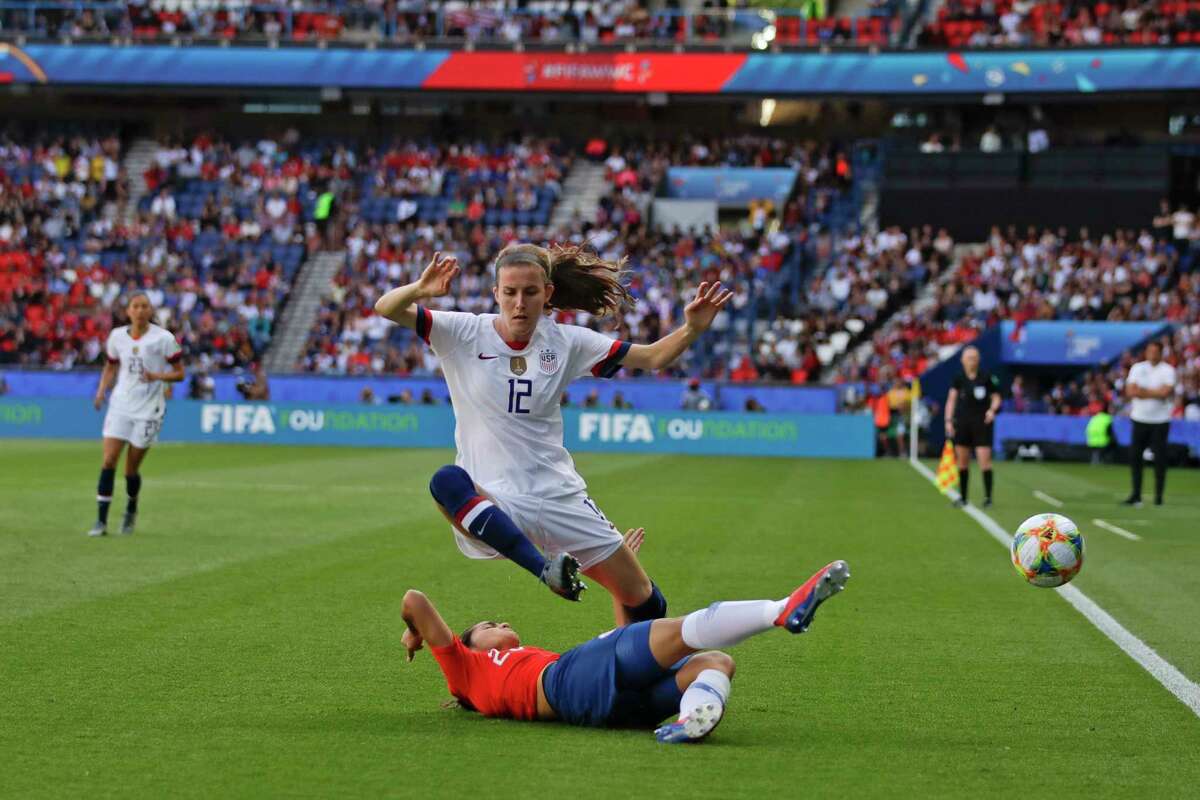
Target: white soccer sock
727, 624
710, 685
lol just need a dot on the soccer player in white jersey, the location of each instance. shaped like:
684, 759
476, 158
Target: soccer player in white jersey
142, 358
513, 484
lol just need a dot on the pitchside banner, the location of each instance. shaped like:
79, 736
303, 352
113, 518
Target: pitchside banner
1075, 71
1073, 430
716, 433
731, 186
1073, 343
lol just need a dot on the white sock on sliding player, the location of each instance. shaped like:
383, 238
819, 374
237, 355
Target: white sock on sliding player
727, 624
710, 686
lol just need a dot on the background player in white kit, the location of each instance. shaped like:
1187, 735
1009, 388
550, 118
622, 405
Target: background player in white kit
142, 359
514, 485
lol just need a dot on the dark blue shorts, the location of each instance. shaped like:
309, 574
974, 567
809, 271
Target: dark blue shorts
613, 681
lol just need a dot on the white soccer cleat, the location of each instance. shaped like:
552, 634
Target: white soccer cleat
694, 727
99, 529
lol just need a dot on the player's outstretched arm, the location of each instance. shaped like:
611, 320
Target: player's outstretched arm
424, 623
107, 378
397, 305
698, 317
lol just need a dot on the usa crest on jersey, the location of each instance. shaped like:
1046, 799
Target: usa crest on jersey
548, 361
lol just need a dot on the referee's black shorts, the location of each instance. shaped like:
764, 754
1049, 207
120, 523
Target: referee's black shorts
972, 432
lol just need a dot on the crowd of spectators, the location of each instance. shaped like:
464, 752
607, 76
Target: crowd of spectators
60, 202
1104, 389
225, 224
868, 279
958, 23
588, 22
756, 258
349, 337
1123, 276
1025, 23
216, 265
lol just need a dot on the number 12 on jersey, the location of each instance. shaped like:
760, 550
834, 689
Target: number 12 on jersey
518, 390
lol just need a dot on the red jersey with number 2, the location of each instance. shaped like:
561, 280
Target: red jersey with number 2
496, 683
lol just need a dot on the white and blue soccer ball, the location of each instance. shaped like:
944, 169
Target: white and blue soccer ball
1048, 550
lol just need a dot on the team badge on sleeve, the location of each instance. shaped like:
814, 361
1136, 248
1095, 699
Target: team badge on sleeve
517, 365
548, 362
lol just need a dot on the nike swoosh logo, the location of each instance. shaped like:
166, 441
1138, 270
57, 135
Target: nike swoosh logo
482, 357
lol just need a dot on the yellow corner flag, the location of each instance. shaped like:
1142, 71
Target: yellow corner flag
947, 471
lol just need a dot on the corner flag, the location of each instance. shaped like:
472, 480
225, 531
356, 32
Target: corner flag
947, 471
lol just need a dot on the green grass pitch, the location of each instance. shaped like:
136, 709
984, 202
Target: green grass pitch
245, 642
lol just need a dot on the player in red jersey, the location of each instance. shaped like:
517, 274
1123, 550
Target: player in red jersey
632, 676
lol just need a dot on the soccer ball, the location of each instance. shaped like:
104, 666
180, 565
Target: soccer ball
1048, 550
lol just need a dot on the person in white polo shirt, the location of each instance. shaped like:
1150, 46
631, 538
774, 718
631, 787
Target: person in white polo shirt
1151, 389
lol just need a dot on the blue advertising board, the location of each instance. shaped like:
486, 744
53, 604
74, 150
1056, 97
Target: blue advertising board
1072, 343
642, 393
714, 433
731, 186
1056, 71
1073, 430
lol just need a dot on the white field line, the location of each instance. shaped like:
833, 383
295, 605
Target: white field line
1045, 498
1108, 526
1166, 674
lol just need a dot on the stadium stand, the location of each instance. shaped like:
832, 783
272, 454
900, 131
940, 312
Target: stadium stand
1123, 276
588, 22
1025, 23
760, 258
206, 244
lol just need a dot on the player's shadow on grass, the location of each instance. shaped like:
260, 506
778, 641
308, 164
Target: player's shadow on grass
435, 721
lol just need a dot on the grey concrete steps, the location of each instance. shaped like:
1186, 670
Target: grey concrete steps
312, 283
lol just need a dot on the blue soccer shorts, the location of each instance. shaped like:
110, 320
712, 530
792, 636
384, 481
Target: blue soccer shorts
613, 681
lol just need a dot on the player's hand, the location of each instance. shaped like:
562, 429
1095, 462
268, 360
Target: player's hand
634, 538
989, 417
710, 299
412, 642
435, 280
149, 377
98, 401
949, 429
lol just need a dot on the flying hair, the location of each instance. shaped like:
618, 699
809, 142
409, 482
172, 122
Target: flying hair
582, 280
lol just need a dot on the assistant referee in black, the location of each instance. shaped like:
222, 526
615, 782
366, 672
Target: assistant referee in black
971, 409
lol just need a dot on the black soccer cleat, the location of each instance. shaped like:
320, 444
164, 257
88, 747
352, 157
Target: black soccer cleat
1132, 501
129, 522
561, 574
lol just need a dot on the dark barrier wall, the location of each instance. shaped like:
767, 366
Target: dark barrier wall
970, 213
1102, 189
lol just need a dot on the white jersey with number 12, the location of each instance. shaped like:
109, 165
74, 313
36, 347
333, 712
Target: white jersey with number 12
509, 426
